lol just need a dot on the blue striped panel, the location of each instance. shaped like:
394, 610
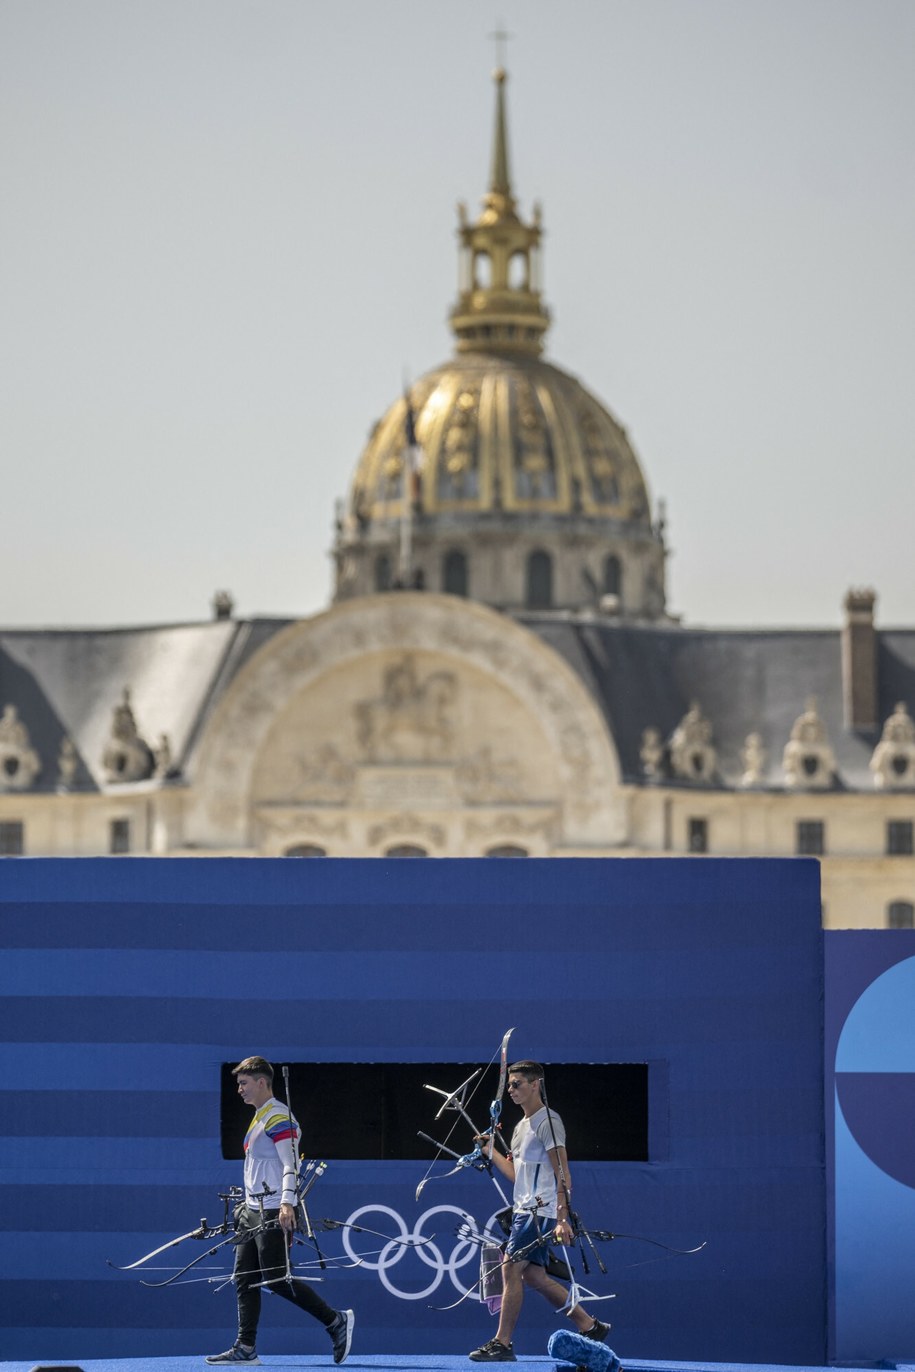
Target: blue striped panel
381, 974
716, 886
130, 983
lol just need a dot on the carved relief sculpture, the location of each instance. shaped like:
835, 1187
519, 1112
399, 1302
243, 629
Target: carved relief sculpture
534, 475
457, 478
406, 826
482, 780
809, 762
411, 720
753, 757
323, 776
651, 753
692, 756
19, 762
162, 755
127, 756
67, 764
512, 825
893, 760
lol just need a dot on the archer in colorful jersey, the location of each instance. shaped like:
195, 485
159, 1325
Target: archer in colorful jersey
538, 1167
263, 1234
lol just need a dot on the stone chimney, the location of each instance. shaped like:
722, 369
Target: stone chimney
223, 605
859, 661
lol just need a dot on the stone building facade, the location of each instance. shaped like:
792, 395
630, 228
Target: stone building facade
498, 674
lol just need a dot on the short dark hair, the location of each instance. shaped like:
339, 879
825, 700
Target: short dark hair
531, 1071
254, 1067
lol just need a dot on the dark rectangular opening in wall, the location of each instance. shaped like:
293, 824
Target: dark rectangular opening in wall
351, 1110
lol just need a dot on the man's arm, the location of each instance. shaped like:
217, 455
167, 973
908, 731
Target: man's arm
503, 1161
559, 1161
281, 1130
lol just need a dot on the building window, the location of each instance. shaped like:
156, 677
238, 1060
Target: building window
305, 850
811, 838
697, 835
12, 838
899, 838
900, 914
119, 836
454, 573
382, 572
406, 850
613, 576
506, 850
538, 591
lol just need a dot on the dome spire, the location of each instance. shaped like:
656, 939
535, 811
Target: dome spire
500, 176
499, 306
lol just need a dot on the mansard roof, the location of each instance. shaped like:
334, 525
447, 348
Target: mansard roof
67, 683
745, 681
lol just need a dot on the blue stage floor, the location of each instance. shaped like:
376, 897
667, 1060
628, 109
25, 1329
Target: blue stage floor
393, 1362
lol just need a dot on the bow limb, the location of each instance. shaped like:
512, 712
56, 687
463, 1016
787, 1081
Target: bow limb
361, 1229
442, 1176
472, 1293
223, 1278
202, 1231
233, 1239
194, 1261
605, 1236
495, 1109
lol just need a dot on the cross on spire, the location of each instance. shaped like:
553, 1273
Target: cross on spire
500, 38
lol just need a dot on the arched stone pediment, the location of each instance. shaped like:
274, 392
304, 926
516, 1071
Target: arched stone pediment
406, 704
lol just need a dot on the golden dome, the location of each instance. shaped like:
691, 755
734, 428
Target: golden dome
502, 433
498, 475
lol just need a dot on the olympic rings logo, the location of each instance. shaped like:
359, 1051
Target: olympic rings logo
431, 1254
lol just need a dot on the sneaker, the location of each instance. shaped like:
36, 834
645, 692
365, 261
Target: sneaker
237, 1353
598, 1332
341, 1332
494, 1351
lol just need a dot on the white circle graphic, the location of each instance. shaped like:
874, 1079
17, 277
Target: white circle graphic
438, 1248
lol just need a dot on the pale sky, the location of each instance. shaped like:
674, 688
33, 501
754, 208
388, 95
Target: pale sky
228, 228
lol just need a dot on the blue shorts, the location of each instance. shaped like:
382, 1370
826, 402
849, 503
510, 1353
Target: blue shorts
526, 1228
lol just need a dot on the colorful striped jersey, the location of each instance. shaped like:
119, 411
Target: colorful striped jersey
272, 1156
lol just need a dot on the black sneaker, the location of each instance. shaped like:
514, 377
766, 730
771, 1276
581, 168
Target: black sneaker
598, 1332
341, 1333
494, 1351
237, 1353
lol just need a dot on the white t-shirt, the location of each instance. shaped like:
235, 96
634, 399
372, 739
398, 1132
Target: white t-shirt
535, 1181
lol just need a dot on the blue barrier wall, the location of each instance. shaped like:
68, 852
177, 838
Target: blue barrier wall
127, 982
870, 1061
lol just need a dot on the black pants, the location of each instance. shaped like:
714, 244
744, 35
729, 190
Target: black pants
261, 1257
